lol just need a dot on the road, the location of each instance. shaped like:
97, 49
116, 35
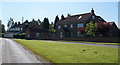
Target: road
12, 52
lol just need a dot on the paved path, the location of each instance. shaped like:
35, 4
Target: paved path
13, 52
117, 46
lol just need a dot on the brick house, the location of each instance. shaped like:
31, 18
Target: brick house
37, 32
68, 27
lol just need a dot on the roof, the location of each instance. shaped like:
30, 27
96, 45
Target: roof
75, 18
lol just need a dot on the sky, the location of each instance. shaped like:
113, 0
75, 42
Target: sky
39, 10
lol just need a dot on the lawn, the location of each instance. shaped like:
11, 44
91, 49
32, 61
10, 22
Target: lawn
57, 52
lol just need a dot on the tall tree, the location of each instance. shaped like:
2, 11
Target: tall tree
3, 28
56, 20
10, 23
62, 17
68, 14
46, 23
90, 29
34, 22
39, 22
19, 23
51, 28
16, 24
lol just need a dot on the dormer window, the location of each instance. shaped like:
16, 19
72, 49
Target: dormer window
80, 17
93, 17
100, 19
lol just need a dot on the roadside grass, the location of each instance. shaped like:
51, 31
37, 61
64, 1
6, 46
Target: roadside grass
57, 52
92, 42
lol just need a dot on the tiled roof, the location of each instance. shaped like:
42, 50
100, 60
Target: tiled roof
75, 18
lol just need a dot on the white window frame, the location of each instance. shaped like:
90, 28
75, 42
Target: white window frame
59, 27
71, 25
65, 25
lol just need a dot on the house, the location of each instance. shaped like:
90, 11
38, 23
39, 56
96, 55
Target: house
69, 26
36, 32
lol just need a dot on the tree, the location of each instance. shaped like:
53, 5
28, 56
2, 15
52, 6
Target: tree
81, 30
62, 17
19, 23
103, 27
3, 28
51, 27
56, 20
68, 14
46, 23
90, 29
39, 22
16, 24
10, 23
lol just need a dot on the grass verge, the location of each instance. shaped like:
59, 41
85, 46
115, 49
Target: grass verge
71, 53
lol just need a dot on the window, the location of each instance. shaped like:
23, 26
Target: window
59, 27
37, 34
80, 17
100, 19
71, 25
80, 25
78, 33
65, 26
61, 34
93, 17
21, 28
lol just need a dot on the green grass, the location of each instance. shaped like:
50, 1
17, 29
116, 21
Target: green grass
71, 53
92, 42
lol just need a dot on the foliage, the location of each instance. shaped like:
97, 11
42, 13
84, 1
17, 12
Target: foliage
3, 28
34, 25
68, 14
46, 23
90, 29
51, 27
39, 22
56, 20
103, 27
62, 17
10, 23
81, 30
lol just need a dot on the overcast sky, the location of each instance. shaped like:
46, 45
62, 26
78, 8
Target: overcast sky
39, 10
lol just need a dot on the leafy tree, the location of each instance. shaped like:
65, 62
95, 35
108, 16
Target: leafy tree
39, 22
16, 24
81, 30
10, 23
46, 23
103, 27
51, 27
33, 24
90, 29
62, 17
3, 28
68, 14
56, 20
19, 23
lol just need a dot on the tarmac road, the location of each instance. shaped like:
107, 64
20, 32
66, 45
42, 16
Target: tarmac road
12, 52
